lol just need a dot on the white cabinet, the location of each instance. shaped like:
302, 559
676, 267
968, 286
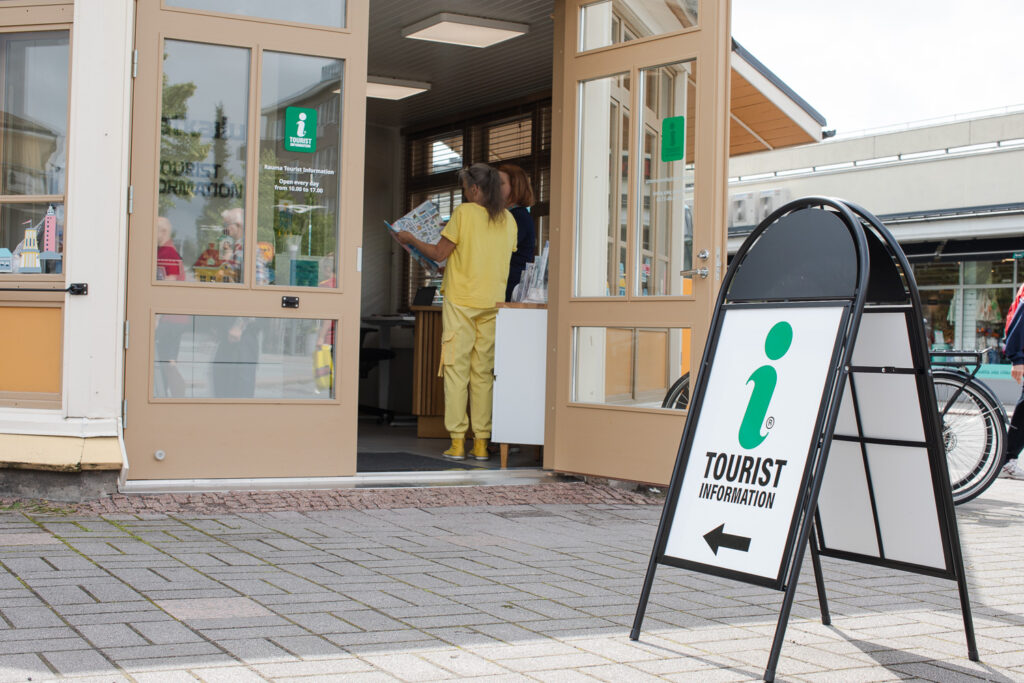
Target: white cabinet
520, 371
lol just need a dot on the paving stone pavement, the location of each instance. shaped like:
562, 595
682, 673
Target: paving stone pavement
462, 585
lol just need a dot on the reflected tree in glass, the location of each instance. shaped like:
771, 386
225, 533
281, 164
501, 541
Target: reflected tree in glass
176, 144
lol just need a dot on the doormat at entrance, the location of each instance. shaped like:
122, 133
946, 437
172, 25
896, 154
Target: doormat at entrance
401, 461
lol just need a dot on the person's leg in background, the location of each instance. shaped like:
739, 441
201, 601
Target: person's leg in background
457, 338
481, 380
1014, 442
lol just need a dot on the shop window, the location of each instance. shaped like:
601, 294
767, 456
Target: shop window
611, 22
933, 274
965, 305
988, 272
626, 366
33, 151
329, 13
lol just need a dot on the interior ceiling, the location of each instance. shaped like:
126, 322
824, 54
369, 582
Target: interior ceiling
463, 79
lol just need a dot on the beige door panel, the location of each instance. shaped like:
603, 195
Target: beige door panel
243, 246
638, 213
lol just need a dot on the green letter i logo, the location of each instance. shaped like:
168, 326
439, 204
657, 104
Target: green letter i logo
776, 344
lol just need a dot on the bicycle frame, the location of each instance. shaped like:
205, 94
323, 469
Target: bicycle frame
959, 361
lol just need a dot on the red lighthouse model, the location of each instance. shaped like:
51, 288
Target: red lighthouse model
50, 230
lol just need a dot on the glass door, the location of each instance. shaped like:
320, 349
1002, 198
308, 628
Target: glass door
244, 234
642, 87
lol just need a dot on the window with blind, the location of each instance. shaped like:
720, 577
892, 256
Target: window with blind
516, 135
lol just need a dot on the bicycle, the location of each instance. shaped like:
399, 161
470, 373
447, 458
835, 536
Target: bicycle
973, 421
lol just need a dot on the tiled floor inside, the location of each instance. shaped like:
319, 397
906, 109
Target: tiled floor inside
400, 436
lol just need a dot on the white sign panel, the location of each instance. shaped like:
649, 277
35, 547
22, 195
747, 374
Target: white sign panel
746, 463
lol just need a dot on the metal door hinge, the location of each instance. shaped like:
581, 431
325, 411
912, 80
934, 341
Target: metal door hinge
131, 199
124, 414
127, 332
135, 63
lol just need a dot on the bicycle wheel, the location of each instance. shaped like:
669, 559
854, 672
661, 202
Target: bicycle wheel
972, 433
678, 396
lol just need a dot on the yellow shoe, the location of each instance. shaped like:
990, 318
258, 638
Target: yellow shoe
480, 449
457, 451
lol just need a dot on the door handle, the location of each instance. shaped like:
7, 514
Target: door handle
702, 273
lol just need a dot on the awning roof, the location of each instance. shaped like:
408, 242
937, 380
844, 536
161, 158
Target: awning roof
765, 112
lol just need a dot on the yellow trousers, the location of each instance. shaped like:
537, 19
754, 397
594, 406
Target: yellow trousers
467, 365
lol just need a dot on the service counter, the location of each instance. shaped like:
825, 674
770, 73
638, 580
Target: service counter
520, 371
427, 387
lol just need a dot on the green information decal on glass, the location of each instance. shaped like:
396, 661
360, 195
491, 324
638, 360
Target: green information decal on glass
673, 138
300, 129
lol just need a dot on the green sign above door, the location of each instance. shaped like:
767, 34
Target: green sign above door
673, 138
300, 129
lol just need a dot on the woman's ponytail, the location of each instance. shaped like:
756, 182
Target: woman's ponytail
489, 182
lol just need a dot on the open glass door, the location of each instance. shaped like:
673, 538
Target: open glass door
244, 234
641, 87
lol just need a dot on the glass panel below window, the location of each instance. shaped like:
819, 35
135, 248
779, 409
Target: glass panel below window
630, 366
230, 357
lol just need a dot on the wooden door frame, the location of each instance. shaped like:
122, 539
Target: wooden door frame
337, 418
631, 443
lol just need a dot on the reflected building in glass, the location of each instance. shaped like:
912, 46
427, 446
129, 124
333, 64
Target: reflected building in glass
298, 220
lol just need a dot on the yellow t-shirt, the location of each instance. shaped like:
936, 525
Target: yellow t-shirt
477, 268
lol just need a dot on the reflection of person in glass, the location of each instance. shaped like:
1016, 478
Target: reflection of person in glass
232, 245
236, 359
325, 333
515, 187
169, 328
477, 242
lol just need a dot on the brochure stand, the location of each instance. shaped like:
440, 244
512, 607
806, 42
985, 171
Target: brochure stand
813, 420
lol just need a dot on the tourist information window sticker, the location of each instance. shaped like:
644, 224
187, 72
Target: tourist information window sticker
755, 428
300, 129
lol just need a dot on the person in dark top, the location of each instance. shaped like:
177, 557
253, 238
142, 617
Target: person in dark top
1015, 352
515, 186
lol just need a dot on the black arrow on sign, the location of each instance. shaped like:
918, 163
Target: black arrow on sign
717, 538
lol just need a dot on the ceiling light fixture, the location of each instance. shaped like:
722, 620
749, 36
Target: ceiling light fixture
384, 88
459, 29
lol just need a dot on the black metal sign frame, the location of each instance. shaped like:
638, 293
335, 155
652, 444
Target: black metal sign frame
881, 278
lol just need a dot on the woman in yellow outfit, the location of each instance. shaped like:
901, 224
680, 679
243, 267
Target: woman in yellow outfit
478, 242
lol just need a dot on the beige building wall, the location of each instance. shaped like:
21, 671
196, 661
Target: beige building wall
963, 164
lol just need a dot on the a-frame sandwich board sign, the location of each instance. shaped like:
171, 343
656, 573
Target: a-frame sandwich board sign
813, 409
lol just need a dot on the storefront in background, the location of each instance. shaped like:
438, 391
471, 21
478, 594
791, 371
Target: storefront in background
949, 191
183, 221
966, 299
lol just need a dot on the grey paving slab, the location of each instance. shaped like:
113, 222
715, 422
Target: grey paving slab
538, 592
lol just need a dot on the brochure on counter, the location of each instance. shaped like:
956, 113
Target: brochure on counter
425, 223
